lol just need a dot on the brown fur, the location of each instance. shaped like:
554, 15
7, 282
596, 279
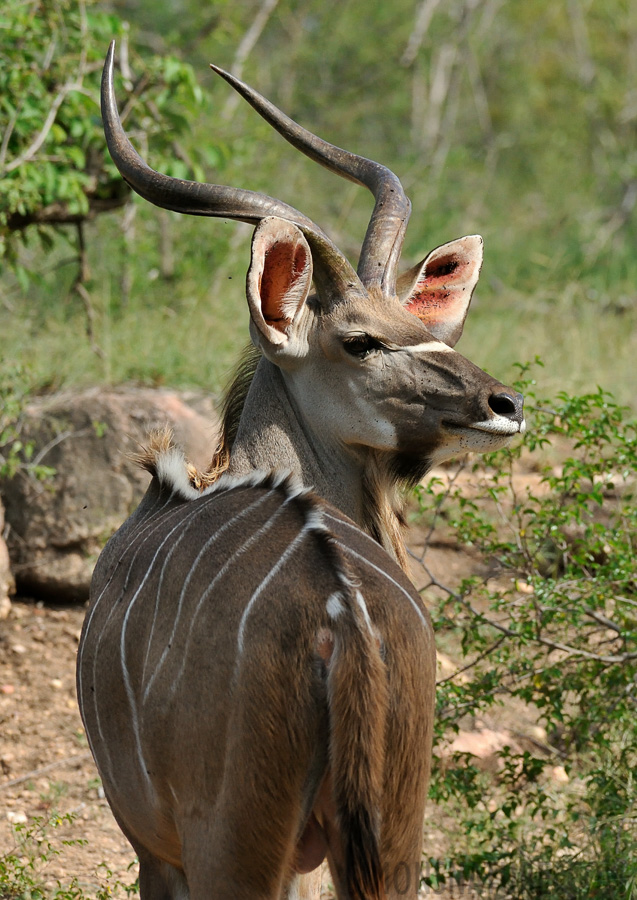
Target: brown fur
383, 509
359, 702
310, 734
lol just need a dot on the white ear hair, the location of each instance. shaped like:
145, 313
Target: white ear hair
279, 278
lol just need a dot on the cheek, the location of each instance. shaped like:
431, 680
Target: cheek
350, 407
370, 415
404, 401
399, 399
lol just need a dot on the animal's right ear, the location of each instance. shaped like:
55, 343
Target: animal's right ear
279, 280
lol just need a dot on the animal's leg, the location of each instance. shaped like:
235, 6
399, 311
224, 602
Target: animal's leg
158, 880
222, 861
211, 883
244, 849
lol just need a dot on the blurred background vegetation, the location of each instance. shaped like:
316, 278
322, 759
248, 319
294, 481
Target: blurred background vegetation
514, 120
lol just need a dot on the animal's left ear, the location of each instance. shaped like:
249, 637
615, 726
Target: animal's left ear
439, 289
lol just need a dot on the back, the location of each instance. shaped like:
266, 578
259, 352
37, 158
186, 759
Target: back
216, 623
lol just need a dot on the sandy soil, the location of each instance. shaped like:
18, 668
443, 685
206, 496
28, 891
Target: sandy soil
44, 758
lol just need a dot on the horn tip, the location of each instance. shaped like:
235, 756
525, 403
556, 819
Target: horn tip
109, 62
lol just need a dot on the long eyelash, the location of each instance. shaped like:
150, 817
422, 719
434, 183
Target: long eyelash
362, 345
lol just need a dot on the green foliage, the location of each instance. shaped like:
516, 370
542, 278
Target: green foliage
54, 168
23, 870
16, 454
513, 120
552, 628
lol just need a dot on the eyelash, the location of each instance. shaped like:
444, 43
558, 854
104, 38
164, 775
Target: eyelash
361, 345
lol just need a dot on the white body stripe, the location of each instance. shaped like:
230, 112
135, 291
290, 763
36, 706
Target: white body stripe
382, 572
268, 578
206, 547
375, 567
142, 536
363, 608
222, 571
334, 606
94, 609
146, 532
181, 524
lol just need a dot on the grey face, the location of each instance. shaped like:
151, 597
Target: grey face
380, 379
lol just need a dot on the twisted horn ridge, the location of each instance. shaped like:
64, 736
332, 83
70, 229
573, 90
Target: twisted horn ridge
193, 198
386, 230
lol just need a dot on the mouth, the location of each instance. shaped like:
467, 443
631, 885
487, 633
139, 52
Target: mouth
499, 426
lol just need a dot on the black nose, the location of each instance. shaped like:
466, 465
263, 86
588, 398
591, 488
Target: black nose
507, 403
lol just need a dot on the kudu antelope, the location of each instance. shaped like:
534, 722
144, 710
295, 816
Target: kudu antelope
256, 672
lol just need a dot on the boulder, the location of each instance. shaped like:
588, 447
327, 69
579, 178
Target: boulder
7, 584
58, 526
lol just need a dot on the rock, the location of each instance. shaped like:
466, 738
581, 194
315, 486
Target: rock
17, 818
483, 744
7, 584
58, 527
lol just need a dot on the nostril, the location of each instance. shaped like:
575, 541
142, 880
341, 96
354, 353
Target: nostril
503, 405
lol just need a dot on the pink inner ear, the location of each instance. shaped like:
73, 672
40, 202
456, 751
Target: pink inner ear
442, 297
284, 264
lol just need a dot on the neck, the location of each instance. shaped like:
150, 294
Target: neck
272, 435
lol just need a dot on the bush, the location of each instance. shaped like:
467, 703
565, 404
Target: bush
54, 167
16, 454
552, 629
23, 869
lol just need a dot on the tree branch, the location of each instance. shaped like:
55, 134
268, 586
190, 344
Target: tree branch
35, 145
70, 760
420, 29
475, 662
246, 46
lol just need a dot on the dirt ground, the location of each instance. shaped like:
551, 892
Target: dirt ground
45, 763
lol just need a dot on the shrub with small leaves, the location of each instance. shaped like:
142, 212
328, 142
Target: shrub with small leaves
15, 453
552, 628
54, 166
23, 874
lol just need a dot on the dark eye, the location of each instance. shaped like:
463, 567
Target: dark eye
361, 345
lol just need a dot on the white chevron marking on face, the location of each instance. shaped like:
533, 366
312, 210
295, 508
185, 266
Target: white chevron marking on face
428, 347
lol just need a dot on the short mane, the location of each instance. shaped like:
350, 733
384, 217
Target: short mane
234, 399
